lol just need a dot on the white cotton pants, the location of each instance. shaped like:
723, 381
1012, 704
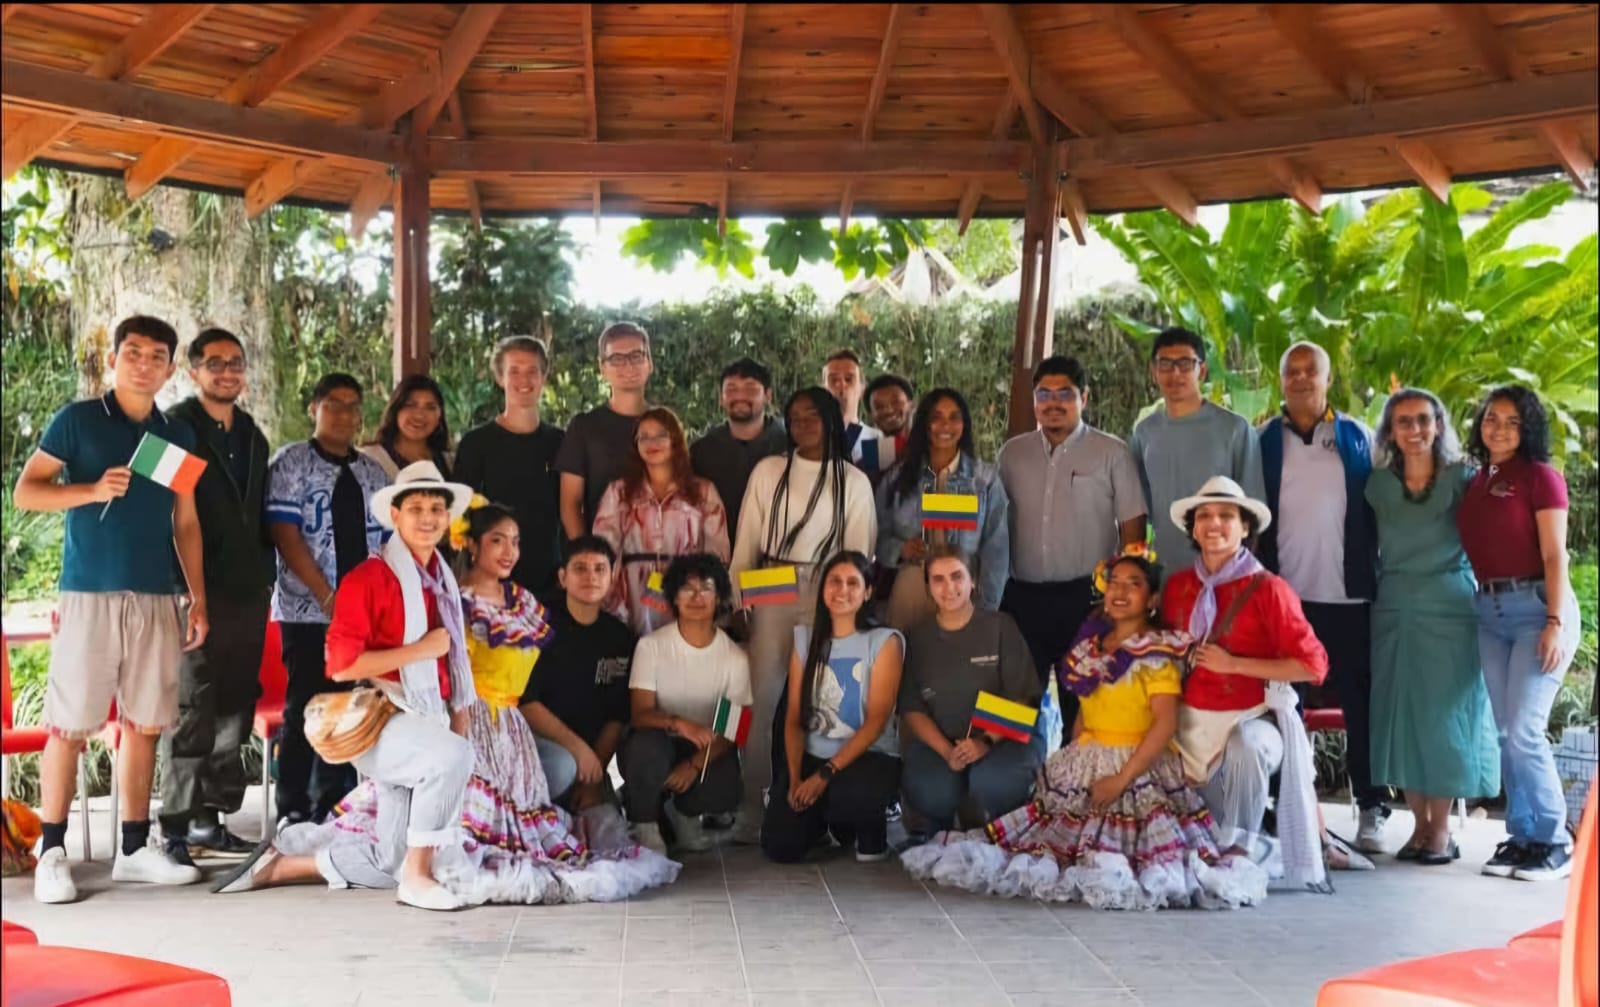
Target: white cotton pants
421, 769
1237, 792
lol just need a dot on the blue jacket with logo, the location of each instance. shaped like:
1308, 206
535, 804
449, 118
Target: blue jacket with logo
1360, 524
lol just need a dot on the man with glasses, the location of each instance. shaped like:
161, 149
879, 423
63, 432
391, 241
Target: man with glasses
318, 513
1075, 498
203, 779
598, 442
1188, 440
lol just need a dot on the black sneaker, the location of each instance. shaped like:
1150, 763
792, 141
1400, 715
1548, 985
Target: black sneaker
1508, 856
1544, 863
216, 841
178, 852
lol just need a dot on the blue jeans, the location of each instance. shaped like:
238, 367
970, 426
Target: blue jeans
1509, 626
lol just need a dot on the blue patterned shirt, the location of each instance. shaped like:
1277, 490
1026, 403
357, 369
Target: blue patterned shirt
300, 492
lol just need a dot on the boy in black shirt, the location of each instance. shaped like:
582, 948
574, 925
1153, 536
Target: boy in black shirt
577, 697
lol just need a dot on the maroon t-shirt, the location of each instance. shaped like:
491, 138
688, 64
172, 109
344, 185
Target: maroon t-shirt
1496, 517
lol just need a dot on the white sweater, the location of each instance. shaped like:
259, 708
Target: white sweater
860, 513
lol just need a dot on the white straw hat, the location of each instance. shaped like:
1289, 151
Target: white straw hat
1221, 489
419, 476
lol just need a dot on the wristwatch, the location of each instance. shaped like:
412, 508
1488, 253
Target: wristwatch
826, 771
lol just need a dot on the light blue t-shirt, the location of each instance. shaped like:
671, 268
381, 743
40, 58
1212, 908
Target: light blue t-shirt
1177, 456
839, 706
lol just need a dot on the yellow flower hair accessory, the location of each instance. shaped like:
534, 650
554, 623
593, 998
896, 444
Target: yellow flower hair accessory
1102, 572
458, 527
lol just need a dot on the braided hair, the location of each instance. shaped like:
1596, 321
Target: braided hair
835, 456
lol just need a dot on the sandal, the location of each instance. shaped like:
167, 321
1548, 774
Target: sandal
1435, 858
1340, 856
1408, 852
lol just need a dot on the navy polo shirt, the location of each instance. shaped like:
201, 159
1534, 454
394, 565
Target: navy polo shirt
132, 549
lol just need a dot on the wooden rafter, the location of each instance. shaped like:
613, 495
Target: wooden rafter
972, 195
593, 109
287, 61
7, 11
1037, 86
1161, 56
458, 129
426, 90
1295, 22
374, 191
1501, 57
163, 26
875, 94
1075, 210
730, 99
644, 158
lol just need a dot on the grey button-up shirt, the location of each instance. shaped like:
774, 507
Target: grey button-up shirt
1065, 504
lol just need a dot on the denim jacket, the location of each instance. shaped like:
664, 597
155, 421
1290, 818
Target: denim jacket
900, 520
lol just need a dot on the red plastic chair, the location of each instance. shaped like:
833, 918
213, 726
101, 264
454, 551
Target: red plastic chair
15, 740
1529, 974
269, 716
1538, 936
16, 933
44, 976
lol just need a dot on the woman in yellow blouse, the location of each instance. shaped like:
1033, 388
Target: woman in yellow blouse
1111, 823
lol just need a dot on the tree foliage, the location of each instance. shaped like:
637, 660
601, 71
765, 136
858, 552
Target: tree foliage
858, 250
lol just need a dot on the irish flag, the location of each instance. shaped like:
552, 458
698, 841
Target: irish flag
167, 464
732, 722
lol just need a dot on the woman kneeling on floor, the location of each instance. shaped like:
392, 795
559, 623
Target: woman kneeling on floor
842, 755
1111, 822
672, 759
396, 622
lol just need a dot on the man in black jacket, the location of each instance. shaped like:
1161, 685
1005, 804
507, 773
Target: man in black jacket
204, 778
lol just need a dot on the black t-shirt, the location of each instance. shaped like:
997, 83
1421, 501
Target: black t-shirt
518, 470
349, 515
596, 447
582, 677
727, 461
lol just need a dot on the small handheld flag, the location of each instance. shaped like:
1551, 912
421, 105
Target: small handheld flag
875, 455
731, 722
778, 585
165, 464
1001, 716
950, 511
653, 595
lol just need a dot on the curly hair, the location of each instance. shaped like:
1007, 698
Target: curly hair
1533, 443
634, 475
703, 565
1252, 527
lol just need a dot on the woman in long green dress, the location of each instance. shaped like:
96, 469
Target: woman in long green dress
1433, 732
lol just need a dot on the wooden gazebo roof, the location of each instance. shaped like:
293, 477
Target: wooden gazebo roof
893, 109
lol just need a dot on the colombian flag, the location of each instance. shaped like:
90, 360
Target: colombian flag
653, 596
777, 585
1003, 717
950, 511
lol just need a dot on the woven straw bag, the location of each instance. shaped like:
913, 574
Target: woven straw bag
341, 726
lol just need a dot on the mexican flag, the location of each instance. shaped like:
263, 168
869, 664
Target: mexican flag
167, 464
732, 722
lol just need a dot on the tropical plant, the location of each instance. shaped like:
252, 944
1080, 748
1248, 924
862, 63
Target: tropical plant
857, 250
1395, 292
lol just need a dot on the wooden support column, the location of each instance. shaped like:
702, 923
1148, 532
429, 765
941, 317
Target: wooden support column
412, 314
1036, 307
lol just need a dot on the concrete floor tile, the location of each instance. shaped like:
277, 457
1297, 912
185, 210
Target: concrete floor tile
807, 977
971, 976
535, 978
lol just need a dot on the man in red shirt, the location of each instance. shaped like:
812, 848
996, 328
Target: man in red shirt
397, 623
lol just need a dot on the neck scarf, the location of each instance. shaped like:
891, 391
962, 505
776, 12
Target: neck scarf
1243, 564
419, 680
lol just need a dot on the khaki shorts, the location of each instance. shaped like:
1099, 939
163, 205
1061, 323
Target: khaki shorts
114, 645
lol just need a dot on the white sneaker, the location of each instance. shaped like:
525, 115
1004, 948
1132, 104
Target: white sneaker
1369, 835
52, 878
690, 835
747, 828
648, 835
435, 897
153, 867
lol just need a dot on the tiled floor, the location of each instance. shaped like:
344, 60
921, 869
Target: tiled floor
736, 930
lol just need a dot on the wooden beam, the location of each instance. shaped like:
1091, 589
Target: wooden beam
1036, 296
1500, 56
412, 311
1013, 50
1300, 184
1294, 23
847, 203
1425, 166
458, 126
1172, 194
1028, 78
730, 87
273, 184
377, 189
973, 194
149, 39
588, 71
1533, 101
7, 11
596, 198
875, 93
613, 159
296, 55
1075, 210
395, 99
60, 92
722, 208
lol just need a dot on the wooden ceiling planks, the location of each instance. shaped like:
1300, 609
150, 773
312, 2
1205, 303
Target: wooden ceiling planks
808, 72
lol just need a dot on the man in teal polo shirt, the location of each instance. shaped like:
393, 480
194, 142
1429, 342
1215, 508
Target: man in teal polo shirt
121, 629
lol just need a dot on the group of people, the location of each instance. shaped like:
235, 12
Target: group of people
801, 626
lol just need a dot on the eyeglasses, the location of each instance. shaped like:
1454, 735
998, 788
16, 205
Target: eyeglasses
653, 439
698, 589
1066, 395
1183, 365
217, 365
1421, 422
338, 408
635, 359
